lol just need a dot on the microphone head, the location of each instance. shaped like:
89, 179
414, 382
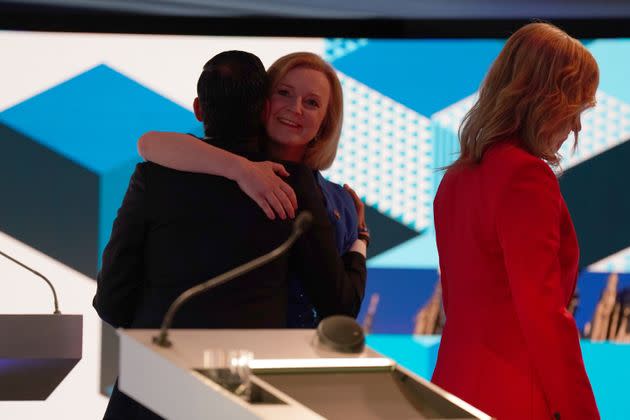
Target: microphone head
303, 221
340, 333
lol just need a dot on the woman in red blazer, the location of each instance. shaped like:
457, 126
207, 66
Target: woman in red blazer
508, 250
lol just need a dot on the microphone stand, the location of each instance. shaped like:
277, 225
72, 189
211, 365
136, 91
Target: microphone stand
300, 225
57, 312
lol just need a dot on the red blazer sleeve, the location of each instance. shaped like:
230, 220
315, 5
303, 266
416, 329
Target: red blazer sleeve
528, 226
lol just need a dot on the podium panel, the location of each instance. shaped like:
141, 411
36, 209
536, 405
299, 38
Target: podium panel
291, 377
36, 353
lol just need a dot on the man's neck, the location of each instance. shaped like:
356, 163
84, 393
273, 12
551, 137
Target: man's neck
234, 144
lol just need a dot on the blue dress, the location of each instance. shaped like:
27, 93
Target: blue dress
343, 216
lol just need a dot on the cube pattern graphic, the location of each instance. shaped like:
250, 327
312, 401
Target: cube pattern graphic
445, 127
616, 263
398, 132
68, 153
604, 126
385, 155
82, 133
451, 117
50, 202
424, 75
394, 142
339, 47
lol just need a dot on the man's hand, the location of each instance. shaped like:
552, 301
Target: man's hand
262, 183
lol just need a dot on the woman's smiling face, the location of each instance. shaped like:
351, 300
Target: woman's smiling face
297, 108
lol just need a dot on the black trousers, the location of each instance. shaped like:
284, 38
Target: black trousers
123, 407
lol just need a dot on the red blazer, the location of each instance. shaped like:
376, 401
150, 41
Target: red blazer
508, 259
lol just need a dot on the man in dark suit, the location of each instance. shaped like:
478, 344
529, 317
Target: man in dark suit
175, 230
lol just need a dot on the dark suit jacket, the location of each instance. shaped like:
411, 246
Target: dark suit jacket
508, 259
175, 230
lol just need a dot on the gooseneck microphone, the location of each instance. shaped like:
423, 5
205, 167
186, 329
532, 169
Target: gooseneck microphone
301, 224
57, 312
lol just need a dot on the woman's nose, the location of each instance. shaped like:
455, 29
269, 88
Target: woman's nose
296, 105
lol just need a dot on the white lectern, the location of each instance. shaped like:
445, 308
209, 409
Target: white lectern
291, 379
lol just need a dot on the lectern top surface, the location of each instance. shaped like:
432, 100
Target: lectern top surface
190, 344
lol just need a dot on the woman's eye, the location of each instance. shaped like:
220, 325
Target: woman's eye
283, 92
312, 103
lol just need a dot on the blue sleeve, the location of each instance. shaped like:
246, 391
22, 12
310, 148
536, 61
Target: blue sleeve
341, 212
334, 284
351, 221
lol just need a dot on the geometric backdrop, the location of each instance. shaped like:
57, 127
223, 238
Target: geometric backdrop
69, 146
70, 153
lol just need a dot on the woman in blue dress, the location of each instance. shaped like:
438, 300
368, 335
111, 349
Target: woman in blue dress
303, 124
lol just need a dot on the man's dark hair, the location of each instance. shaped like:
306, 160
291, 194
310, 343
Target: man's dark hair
232, 90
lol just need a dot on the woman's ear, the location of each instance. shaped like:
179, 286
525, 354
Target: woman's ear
197, 109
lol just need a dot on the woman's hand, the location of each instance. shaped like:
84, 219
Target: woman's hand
259, 180
359, 206
262, 183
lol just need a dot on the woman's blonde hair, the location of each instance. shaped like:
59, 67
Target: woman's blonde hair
540, 82
322, 150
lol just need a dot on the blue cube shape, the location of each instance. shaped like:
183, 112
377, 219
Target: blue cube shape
68, 155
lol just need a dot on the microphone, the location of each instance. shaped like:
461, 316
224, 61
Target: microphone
301, 224
56, 312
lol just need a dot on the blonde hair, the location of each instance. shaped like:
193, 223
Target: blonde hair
540, 82
322, 151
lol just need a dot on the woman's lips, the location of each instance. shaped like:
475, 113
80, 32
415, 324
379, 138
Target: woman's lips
289, 123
